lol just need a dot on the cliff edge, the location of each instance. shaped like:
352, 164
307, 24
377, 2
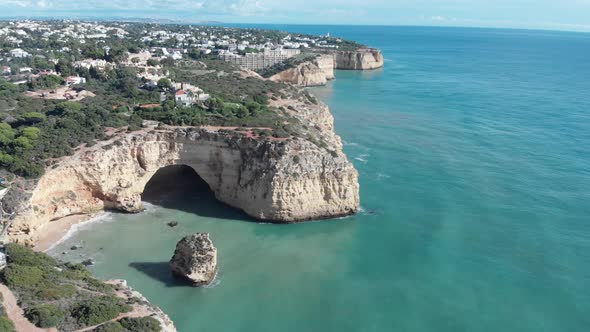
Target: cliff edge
320, 70
361, 59
274, 179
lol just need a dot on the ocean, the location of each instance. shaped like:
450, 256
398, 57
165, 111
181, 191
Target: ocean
473, 147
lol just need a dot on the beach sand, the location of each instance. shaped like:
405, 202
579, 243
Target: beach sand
54, 231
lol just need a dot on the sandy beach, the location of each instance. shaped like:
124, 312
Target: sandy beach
54, 231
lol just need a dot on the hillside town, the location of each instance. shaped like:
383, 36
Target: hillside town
30, 50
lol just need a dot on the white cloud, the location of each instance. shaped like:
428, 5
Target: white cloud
20, 3
44, 4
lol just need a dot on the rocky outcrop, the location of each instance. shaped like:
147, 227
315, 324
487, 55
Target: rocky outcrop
195, 259
361, 59
277, 180
320, 70
310, 73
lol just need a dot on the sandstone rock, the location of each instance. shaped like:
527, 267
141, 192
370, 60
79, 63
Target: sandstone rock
195, 259
361, 59
321, 69
259, 176
312, 73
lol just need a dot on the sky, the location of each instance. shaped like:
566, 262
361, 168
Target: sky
534, 14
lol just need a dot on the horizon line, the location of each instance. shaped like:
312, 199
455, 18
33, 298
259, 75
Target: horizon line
138, 19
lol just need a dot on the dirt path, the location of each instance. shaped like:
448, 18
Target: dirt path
137, 312
16, 314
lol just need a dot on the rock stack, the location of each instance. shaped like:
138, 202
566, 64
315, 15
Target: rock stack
195, 259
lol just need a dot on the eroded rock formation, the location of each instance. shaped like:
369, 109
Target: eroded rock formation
320, 70
361, 59
311, 73
195, 259
279, 180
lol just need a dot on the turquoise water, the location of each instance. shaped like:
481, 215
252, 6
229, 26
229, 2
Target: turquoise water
473, 148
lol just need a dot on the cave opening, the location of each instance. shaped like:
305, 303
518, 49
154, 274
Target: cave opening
180, 187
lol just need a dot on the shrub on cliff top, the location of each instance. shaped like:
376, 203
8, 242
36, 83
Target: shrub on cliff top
56, 292
44, 315
98, 310
110, 327
17, 254
22, 277
142, 324
6, 325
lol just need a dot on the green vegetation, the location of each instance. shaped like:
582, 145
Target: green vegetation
54, 294
143, 324
110, 327
98, 310
44, 315
6, 325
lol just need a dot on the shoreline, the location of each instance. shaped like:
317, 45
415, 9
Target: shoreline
56, 231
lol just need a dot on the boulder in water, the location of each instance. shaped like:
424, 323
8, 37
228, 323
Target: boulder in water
88, 262
195, 259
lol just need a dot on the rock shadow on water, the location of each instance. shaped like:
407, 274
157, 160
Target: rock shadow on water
160, 271
179, 187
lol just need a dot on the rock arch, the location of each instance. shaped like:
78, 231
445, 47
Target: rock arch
261, 177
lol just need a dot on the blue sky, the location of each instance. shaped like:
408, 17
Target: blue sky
536, 14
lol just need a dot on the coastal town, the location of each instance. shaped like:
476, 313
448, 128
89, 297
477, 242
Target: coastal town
66, 50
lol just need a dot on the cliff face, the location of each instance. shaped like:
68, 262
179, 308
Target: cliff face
270, 179
321, 70
311, 73
361, 59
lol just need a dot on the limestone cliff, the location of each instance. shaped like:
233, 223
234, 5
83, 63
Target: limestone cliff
279, 180
320, 70
361, 59
310, 73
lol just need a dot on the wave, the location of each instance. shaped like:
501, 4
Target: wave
383, 176
345, 143
102, 217
361, 159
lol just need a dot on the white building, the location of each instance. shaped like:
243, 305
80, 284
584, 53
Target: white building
73, 80
188, 98
19, 53
6, 70
98, 64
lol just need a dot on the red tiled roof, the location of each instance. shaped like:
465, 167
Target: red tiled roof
180, 92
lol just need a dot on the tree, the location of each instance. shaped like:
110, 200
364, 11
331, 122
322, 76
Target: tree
23, 143
253, 107
64, 67
68, 107
164, 84
167, 62
6, 159
242, 112
214, 104
153, 62
32, 133
6, 134
32, 118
